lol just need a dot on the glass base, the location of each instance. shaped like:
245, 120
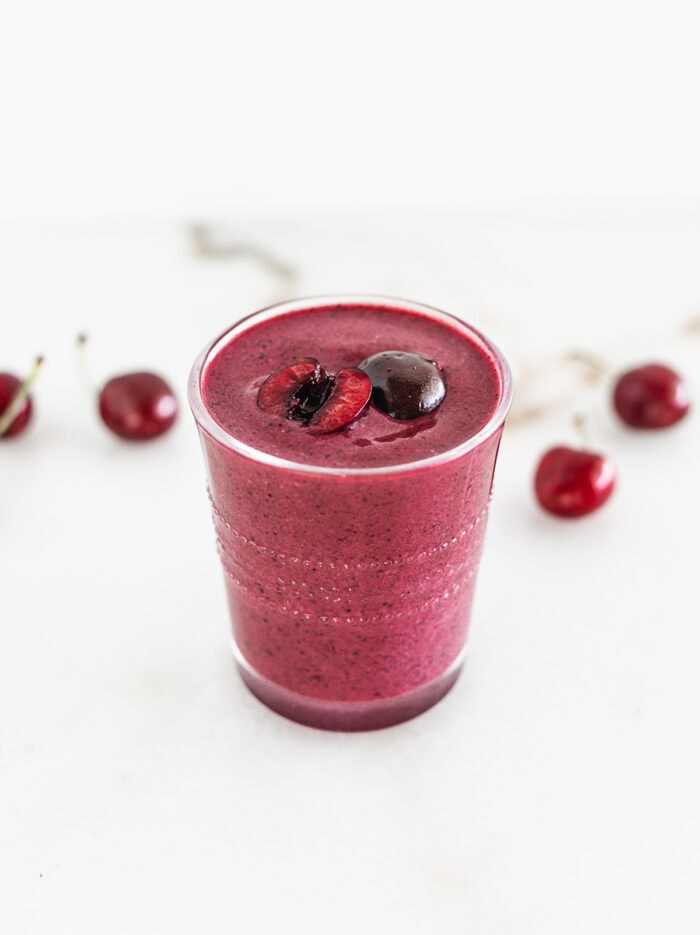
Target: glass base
346, 715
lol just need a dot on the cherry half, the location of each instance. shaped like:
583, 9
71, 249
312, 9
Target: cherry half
15, 401
349, 394
296, 390
572, 482
305, 392
137, 406
651, 396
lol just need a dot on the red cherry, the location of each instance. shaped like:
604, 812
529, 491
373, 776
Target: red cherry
296, 390
9, 385
651, 397
324, 402
572, 482
350, 393
15, 402
137, 406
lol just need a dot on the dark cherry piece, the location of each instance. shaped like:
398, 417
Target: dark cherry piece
15, 402
137, 406
572, 482
304, 391
404, 385
350, 393
9, 385
651, 397
296, 390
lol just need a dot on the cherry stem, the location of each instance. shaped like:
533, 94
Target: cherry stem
597, 368
207, 248
88, 380
692, 326
581, 426
23, 390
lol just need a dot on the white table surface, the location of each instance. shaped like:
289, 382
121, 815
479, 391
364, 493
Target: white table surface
143, 790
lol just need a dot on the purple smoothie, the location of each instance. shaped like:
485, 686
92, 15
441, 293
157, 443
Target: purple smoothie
350, 558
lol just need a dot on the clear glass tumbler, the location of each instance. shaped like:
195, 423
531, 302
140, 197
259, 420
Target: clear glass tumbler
350, 587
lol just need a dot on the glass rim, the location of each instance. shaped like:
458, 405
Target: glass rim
206, 421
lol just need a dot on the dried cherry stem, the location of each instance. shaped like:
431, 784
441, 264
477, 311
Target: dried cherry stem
205, 247
692, 326
581, 426
21, 393
88, 380
595, 370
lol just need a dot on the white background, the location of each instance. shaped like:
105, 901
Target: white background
234, 107
531, 167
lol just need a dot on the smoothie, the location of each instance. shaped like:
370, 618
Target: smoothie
350, 556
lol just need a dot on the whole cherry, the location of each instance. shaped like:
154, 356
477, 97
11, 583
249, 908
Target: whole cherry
15, 401
572, 482
404, 385
136, 406
651, 396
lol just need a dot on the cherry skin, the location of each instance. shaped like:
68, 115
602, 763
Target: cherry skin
137, 406
15, 402
9, 385
572, 482
404, 385
650, 397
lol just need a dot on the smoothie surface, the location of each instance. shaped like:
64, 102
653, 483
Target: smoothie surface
341, 336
